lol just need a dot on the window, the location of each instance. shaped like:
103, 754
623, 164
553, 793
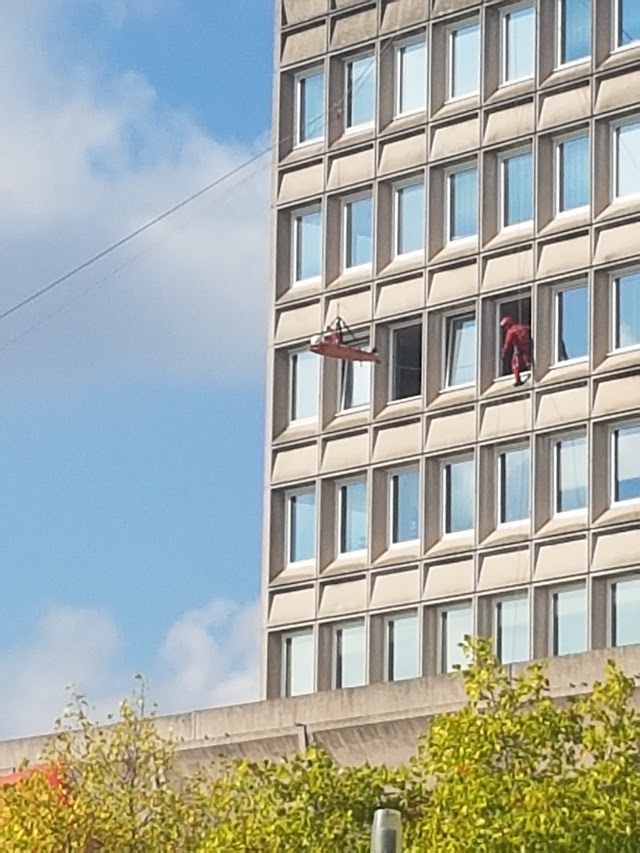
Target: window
520, 311
456, 622
572, 173
572, 323
406, 361
307, 245
626, 463
409, 218
512, 629
459, 495
460, 356
626, 311
625, 606
352, 516
569, 621
464, 60
411, 77
570, 480
574, 20
627, 15
402, 651
626, 163
304, 385
462, 199
358, 231
518, 43
404, 501
516, 174
349, 660
355, 380
297, 663
301, 525
514, 480
310, 106
361, 90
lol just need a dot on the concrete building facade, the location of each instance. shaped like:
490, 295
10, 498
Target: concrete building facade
441, 164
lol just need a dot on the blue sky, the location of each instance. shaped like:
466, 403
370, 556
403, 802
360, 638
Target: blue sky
131, 398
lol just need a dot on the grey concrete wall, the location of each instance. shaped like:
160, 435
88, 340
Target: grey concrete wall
380, 723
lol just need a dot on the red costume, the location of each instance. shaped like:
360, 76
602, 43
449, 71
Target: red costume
517, 346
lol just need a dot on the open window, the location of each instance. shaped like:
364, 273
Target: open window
406, 361
519, 309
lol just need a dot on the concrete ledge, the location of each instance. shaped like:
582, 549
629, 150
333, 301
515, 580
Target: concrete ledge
380, 723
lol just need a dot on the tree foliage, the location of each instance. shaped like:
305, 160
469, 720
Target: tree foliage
512, 770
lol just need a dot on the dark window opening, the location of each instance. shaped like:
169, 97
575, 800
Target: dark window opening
406, 356
520, 312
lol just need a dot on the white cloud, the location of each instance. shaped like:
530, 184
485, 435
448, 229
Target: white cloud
87, 157
207, 658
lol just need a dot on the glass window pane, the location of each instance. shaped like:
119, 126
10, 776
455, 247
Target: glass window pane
406, 375
627, 463
350, 656
311, 106
402, 648
514, 485
627, 311
353, 521
455, 624
517, 189
308, 245
412, 77
569, 621
628, 21
410, 218
358, 232
355, 381
460, 495
575, 30
512, 629
302, 526
519, 43
298, 664
573, 173
304, 385
361, 90
463, 204
465, 60
461, 350
628, 163
571, 474
626, 606
572, 323
405, 496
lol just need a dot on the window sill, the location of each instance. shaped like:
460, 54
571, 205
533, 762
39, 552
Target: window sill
622, 513
300, 292
303, 151
402, 263
562, 222
617, 361
405, 122
508, 534
504, 387
456, 106
302, 431
351, 136
353, 277
561, 373
620, 208
455, 249
453, 396
510, 234
569, 523
400, 409
403, 552
294, 574
508, 90
345, 564
452, 543
348, 420
567, 73
621, 56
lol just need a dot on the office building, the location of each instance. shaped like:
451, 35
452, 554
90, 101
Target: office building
441, 164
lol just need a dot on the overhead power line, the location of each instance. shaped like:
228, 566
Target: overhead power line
138, 231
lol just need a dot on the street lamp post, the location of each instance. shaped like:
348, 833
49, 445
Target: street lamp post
386, 832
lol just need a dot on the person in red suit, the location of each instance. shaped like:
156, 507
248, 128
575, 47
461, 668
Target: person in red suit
517, 347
